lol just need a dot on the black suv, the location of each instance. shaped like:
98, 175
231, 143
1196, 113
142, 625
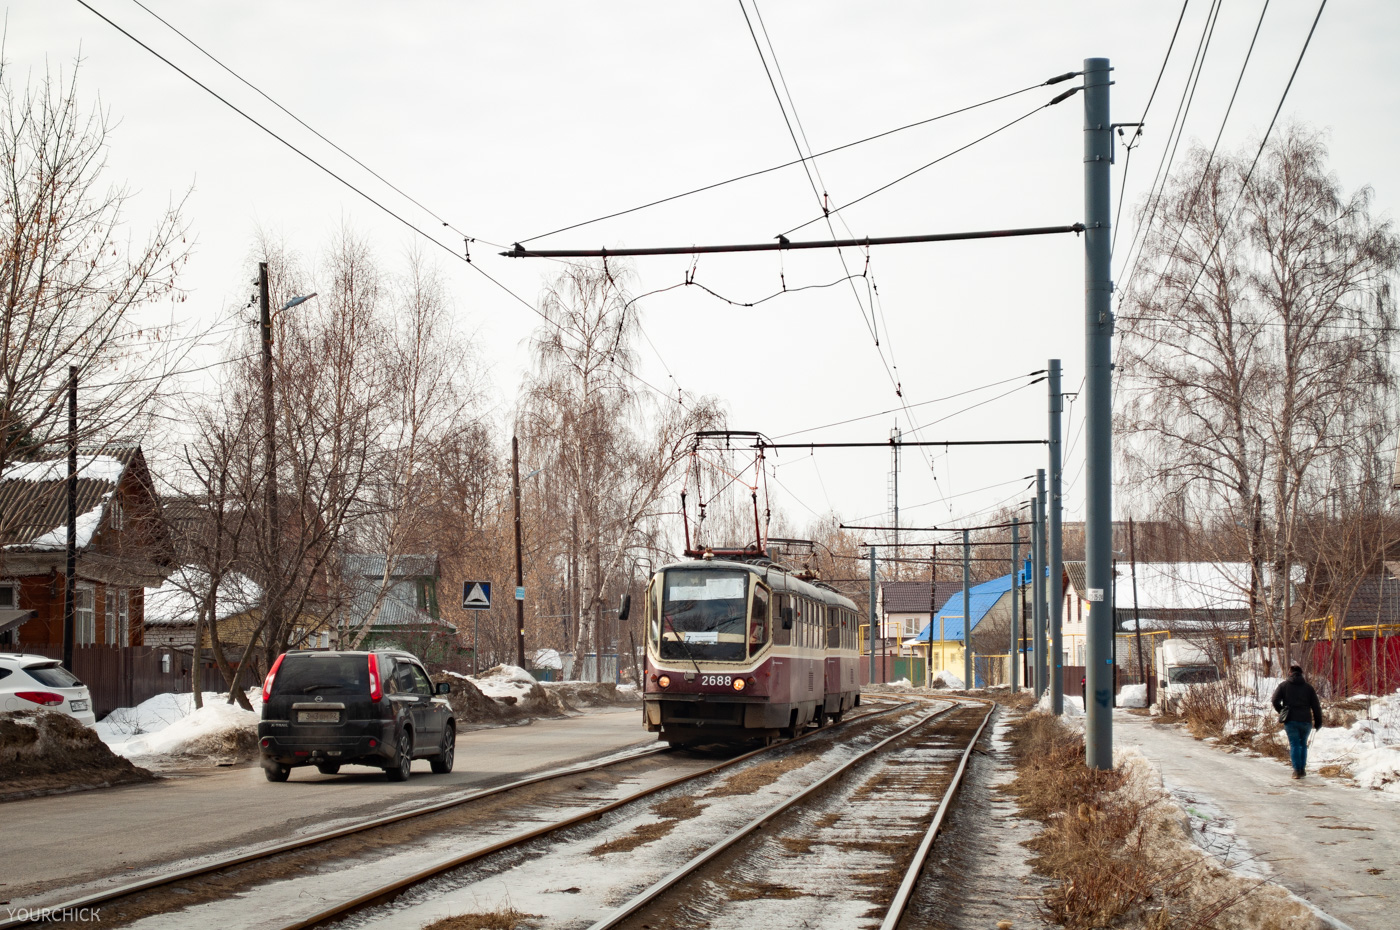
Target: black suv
330, 709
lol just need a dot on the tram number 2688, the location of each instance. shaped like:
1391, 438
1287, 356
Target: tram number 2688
717, 681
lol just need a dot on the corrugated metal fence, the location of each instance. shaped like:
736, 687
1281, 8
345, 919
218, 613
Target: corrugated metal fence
124, 676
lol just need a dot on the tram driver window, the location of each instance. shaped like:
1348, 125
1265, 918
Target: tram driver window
758, 622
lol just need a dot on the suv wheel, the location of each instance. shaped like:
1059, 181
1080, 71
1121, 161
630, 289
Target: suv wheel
442, 762
276, 771
403, 759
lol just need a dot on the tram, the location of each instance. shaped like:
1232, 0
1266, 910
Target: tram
739, 648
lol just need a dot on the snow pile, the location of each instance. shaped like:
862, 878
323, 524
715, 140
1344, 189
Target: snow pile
42, 752
1369, 749
511, 687
1074, 707
169, 726
946, 679
900, 683
547, 658
1133, 696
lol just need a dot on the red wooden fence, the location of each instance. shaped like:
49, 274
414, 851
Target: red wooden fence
1358, 666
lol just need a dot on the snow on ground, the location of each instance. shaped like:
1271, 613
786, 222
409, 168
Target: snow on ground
1074, 706
169, 725
1369, 749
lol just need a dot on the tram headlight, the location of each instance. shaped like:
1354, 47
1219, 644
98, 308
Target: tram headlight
664, 681
739, 684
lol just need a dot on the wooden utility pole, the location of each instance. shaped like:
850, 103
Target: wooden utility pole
272, 621
69, 605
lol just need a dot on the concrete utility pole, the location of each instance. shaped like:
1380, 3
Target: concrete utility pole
520, 568
1055, 558
1013, 659
967, 617
1098, 413
70, 627
1038, 582
895, 437
272, 618
872, 615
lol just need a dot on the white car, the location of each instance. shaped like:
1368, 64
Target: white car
29, 682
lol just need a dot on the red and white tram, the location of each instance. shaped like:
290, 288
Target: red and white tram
745, 649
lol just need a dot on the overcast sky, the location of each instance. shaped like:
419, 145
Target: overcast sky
509, 120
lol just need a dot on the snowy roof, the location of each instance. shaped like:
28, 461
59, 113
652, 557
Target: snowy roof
34, 503
177, 602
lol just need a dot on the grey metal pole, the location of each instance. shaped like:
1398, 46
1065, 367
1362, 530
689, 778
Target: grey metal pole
967, 617
1013, 658
871, 680
1055, 557
1098, 414
520, 574
1038, 587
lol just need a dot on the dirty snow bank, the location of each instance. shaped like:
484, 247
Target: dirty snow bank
42, 752
594, 694
946, 679
168, 728
1132, 696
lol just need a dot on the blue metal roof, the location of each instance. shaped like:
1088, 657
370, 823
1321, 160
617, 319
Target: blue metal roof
980, 600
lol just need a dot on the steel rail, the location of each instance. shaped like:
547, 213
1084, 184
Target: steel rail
267, 852
664, 884
389, 889
916, 866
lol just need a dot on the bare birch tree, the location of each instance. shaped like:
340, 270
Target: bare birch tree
1256, 349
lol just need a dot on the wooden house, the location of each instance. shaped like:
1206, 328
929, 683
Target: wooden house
123, 546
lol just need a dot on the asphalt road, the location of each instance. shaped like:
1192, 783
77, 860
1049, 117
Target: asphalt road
93, 838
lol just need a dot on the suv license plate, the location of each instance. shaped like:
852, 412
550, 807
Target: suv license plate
78, 706
318, 716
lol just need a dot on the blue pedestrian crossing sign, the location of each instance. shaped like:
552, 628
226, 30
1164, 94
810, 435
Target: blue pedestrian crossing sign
476, 595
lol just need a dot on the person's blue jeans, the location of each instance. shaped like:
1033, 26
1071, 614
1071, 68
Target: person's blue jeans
1298, 731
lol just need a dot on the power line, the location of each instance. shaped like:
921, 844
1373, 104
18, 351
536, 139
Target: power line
299, 120
907, 407
1262, 143
941, 158
357, 190
788, 164
1177, 129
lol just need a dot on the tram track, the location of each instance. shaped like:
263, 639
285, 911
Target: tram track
836, 854
131, 902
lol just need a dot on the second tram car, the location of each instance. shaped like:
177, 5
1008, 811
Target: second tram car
744, 650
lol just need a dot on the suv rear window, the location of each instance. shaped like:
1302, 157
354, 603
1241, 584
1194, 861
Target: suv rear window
55, 676
322, 674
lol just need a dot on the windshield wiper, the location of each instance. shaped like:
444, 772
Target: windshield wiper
684, 645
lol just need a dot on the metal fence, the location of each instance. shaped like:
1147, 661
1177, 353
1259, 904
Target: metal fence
1357, 665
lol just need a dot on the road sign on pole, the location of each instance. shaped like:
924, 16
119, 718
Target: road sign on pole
476, 595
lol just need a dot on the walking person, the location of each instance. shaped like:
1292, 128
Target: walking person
1300, 711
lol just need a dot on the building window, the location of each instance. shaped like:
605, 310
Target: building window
110, 627
85, 615
123, 617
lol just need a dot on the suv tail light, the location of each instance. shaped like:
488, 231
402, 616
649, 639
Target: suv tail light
44, 698
267, 682
375, 691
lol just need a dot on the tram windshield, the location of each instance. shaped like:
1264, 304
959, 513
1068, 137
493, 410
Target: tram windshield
704, 615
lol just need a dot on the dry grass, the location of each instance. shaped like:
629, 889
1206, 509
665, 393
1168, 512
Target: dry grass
1206, 709
1090, 844
646, 833
1114, 847
504, 917
758, 891
761, 775
683, 807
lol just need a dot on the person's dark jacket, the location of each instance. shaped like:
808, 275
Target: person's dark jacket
1300, 699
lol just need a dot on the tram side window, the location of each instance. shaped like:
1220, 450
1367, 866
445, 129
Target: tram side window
782, 636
